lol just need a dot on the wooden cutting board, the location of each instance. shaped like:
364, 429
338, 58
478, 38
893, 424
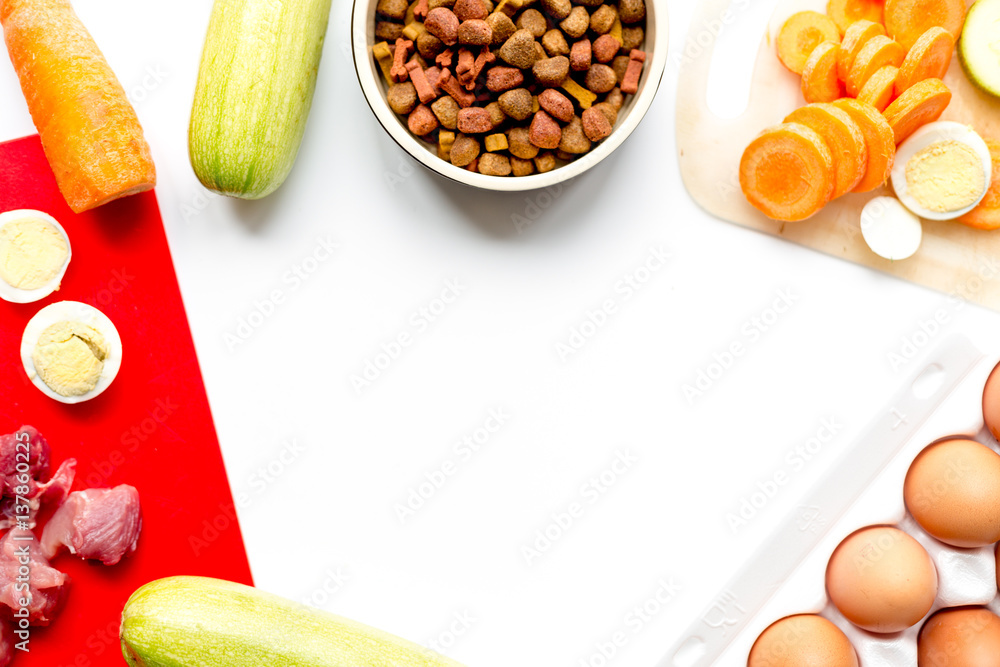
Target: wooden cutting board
152, 428
953, 259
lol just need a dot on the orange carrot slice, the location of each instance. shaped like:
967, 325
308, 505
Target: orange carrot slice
857, 35
879, 52
843, 136
986, 216
787, 172
89, 130
846, 12
880, 89
819, 78
929, 58
922, 103
879, 139
802, 33
907, 20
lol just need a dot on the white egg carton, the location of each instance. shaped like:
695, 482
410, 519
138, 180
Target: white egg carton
865, 488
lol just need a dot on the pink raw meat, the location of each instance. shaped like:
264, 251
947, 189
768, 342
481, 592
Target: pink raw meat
47, 585
103, 524
53, 491
13, 451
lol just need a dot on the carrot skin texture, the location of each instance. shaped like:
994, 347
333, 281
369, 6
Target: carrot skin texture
89, 131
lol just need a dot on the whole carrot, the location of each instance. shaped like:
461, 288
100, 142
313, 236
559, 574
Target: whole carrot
89, 130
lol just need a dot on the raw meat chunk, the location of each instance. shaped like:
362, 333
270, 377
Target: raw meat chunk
46, 585
103, 524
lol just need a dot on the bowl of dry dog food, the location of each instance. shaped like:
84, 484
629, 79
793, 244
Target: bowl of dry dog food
509, 95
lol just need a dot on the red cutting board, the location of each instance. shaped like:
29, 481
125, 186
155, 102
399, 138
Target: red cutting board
152, 428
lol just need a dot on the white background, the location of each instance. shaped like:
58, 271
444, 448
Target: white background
401, 234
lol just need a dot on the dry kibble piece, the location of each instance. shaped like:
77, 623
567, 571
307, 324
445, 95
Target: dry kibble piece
464, 151
616, 99
445, 141
574, 141
497, 116
532, 21
502, 27
392, 9
557, 9
434, 4
520, 144
631, 11
493, 164
630, 82
556, 104
422, 120
476, 32
474, 120
496, 142
595, 123
519, 50
402, 97
499, 79
473, 166
565, 156
555, 44
619, 65
608, 110
576, 24
632, 37
605, 48
540, 53
603, 18
600, 79
388, 31
545, 162
429, 46
551, 71
446, 110
443, 24
579, 56
516, 103
521, 167
544, 131
466, 10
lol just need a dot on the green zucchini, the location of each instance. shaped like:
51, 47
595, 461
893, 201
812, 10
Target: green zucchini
255, 86
979, 46
197, 621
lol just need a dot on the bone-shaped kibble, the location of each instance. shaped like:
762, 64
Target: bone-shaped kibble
398, 72
630, 82
421, 8
425, 91
465, 67
444, 58
450, 85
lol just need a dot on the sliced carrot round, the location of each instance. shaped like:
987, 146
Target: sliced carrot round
857, 35
986, 216
880, 90
922, 103
787, 172
879, 139
929, 58
879, 52
847, 12
802, 33
907, 20
819, 78
843, 136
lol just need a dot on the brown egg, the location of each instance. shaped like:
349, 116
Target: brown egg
806, 640
881, 579
963, 637
952, 489
991, 403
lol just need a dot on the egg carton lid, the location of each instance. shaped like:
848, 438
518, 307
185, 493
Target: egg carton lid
764, 573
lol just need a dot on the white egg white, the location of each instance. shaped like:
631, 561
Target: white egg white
15, 295
929, 134
891, 231
72, 311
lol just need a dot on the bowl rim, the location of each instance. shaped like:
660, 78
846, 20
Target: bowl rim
655, 66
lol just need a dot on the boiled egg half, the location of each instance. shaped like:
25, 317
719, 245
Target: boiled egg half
34, 254
71, 351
